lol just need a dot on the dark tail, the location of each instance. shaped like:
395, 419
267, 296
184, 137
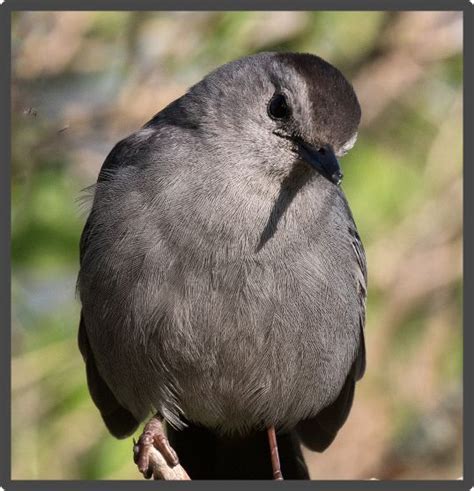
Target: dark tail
205, 455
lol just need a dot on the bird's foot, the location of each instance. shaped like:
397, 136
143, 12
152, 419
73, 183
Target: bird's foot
154, 455
275, 457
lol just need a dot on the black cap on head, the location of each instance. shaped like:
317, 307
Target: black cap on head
335, 109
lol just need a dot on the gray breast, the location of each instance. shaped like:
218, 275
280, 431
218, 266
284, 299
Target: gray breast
220, 333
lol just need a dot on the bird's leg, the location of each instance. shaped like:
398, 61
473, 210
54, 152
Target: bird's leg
274, 453
154, 455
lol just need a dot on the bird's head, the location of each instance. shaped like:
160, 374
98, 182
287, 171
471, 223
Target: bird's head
274, 109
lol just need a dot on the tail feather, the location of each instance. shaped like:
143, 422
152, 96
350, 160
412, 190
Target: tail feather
206, 455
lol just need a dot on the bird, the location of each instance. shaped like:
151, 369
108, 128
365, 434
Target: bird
222, 278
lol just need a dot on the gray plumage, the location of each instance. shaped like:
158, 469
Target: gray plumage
222, 278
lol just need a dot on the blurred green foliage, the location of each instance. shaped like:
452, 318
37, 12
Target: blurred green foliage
83, 80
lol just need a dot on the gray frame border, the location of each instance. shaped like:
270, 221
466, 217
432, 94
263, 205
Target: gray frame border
9, 6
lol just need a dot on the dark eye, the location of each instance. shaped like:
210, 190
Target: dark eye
278, 107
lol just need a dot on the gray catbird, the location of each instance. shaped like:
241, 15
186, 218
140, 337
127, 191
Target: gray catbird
222, 278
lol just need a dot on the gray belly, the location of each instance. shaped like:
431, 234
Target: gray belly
242, 346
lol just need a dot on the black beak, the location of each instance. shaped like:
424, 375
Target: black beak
323, 160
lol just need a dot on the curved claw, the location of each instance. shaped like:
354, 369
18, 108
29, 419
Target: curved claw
153, 454
163, 445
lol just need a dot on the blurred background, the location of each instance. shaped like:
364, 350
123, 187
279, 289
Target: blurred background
83, 80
